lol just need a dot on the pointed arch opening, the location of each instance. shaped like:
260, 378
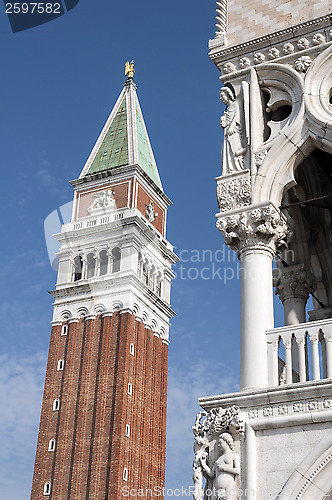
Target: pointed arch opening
308, 208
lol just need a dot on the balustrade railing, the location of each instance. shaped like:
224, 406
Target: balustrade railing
307, 350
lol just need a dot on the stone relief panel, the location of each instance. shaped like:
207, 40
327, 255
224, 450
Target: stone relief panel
233, 191
216, 462
103, 201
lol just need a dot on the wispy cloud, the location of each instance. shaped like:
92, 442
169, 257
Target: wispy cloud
21, 382
185, 386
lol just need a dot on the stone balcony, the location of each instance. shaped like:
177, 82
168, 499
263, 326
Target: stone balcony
308, 352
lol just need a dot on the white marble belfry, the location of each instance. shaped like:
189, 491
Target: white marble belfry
275, 211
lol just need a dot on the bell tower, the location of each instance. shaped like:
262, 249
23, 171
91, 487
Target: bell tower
103, 419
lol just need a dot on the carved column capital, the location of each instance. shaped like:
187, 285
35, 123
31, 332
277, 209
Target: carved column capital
293, 282
257, 227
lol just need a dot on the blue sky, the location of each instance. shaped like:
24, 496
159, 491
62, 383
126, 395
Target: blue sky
59, 83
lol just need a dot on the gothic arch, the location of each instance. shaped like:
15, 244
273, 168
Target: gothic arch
308, 126
313, 477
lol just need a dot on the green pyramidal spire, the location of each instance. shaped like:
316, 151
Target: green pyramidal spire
124, 139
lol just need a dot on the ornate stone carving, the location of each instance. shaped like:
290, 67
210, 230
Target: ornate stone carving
244, 62
303, 43
268, 411
288, 48
302, 64
104, 200
232, 151
150, 214
259, 157
282, 409
274, 53
313, 405
215, 457
297, 407
259, 58
263, 226
221, 475
221, 17
319, 39
253, 413
229, 68
327, 403
233, 193
293, 282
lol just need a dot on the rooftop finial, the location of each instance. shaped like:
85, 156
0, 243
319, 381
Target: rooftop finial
129, 69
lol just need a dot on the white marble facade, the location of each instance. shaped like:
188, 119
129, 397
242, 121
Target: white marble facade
275, 201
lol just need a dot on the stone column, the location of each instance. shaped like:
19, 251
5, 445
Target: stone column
255, 233
293, 285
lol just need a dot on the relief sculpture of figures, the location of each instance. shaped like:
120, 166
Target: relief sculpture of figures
150, 214
103, 200
222, 474
216, 462
232, 151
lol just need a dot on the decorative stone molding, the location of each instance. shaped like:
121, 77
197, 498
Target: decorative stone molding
221, 18
293, 282
253, 413
274, 53
302, 64
298, 407
99, 309
303, 43
117, 305
288, 48
244, 62
312, 476
259, 58
260, 226
214, 445
229, 68
315, 32
82, 312
282, 409
233, 191
319, 39
65, 316
268, 411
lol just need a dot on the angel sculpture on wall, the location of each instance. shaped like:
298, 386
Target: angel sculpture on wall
232, 150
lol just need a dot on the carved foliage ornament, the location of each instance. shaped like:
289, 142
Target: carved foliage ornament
216, 460
263, 227
234, 193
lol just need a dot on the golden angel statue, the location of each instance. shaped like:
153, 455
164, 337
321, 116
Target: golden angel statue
129, 69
